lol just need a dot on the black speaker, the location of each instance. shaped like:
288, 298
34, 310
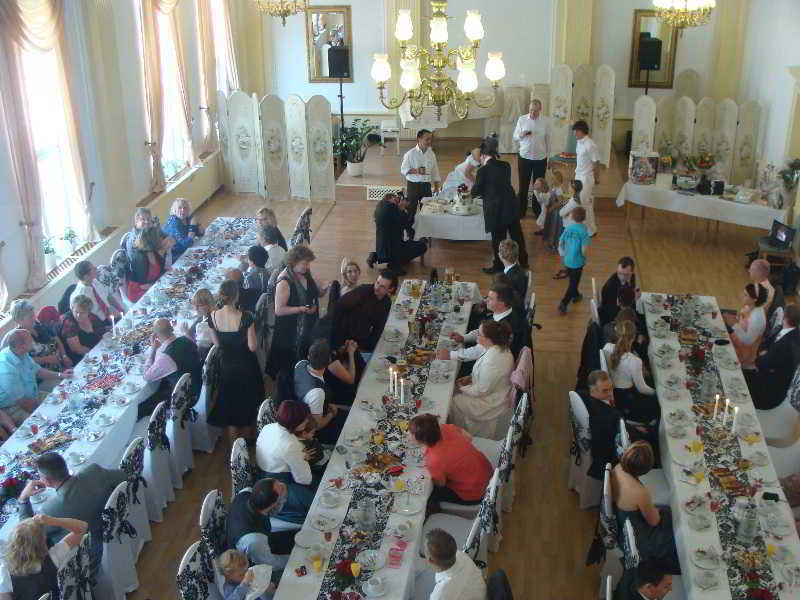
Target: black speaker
338, 62
649, 54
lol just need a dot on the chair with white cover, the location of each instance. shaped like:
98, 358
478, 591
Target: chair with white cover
603, 361
132, 464
390, 128
74, 578
609, 591
204, 436
774, 327
47, 596
594, 291
213, 516
266, 414
241, 468
608, 532
196, 576
589, 489
780, 426
630, 550
593, 312
302, 230
654, 480
119, 564
159, 489
179, 416
530, 297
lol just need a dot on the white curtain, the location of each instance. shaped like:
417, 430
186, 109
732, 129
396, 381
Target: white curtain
208, 76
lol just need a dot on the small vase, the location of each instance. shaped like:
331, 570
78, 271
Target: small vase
50, 262
355, 169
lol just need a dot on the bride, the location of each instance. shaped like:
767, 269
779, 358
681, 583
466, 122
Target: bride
464, 173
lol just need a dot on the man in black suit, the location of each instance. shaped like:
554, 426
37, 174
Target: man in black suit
501, 212
650, 580
509, 256
624, 276
391, 220
776, 365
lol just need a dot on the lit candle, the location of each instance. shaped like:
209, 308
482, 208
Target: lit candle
727, 407
735, 418
113, 327
716, 407
391, 380
402, 391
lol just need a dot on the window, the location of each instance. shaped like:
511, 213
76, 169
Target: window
62, 202
227, 78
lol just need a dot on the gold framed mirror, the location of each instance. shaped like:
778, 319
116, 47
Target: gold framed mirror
327, 27
647, 24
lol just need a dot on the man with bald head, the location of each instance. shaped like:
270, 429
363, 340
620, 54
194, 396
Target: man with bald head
759, 274
532, 134
248, 297
170, 357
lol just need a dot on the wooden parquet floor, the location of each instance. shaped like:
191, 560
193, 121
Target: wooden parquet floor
546, 537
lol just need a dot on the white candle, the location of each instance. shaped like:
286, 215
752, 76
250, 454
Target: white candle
735, 418
391, 380
113, 327
402, 391
725, 415
716, 407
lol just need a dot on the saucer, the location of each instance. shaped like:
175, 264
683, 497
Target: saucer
39, 498
370, 592
76, 458
407, 505
323, 522
305, 538
706, 580
706, 558
699, 522
371, 560
676, 431
329, 499
95, 435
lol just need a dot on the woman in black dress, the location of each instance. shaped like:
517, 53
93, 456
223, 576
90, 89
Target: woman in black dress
241, 388
81, 329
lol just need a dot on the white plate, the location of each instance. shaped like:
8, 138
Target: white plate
324, 522
758, 458
698, 506
371, 594
329, 499
95, 435
406, 504
791, 575
784, 555
76, 458
779, 526
371, 560
699, 522
706, 558
706, 580
305, 538
674, 382
24, 432
666, 351
676, 431
671, 395
678, 417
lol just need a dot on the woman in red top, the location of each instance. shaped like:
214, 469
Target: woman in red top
460, 472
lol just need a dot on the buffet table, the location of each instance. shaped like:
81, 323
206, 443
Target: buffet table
711, 471
431, 221
377, 426
713, 208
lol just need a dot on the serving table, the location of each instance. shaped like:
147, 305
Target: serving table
431, 221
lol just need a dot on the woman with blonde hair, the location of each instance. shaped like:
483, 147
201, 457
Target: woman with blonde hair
81, 329
147, 262
181, 226
32, 569
265, 217
203, 302
633, 396
350, 272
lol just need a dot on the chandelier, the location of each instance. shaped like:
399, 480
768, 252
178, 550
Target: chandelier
684, 13
425, 79
281, 8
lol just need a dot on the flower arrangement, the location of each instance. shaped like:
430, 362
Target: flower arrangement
12, 486
703, 161
755, 590
462, 188
790, 174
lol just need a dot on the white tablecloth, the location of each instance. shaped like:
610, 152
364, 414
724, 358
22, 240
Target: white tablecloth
445, 226
673, 451
399, 581
705, 207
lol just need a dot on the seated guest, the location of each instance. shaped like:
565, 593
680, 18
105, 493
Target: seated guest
344, 372
235, 569
169, 359
105, 304
776, 365
626, 301
198, 330
142, 219
265, 217
19, 390
509, 256
257, 276
310, 388
632, 500
350, 272
392, 219
30, 569
480, 398
623, 277
463, 173
627, 373
456, 576
269, 237
759, 275
460, 472
81, 329
147, 262
361, 314
248, 528
649, 581
748, 326
80, 496
47, 350
182, 227
248, 297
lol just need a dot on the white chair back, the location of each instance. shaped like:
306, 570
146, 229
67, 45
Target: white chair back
266, 414
630, 549
529, 295
74, 579
302, 230
213, 515
119, 565
46, 596
241, 469
196, 576
581, 434
595, 297
204, 436
594, 315
609, 587
478, 547
624, 436
608, 520
159, 489
181, 414
132, 463
603, 361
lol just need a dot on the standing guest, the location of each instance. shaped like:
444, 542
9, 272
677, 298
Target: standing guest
47, 351
748, 327
550, 232
30, 569
623, 277
480, 398
311, 389
235, 568
586, 170
265, 217
532, 134
541, 194
392, 219
241, 387
198, 330
270, 237
257, 276
456, 575
80, 496
170, 358
105, 304
297, 297
361, 315
459, 471
142, 219
421, 171
147, 262
81, 329
776, 365
248, 297
500, 205
650, 580
574, 243
463, 173
182, 227
351, 273
565, 219
19, 390
633, 396
509, 256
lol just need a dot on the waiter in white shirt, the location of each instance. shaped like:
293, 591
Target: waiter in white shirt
588, 164
534, 142
421, 171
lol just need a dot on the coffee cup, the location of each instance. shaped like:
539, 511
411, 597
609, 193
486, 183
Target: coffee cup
375, 584
402, 529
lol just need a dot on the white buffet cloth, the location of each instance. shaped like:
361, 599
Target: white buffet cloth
673, 449
397, 581
714, 208
429, 222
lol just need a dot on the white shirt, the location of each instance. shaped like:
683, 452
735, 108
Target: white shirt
60, 554
315, 398
566, 212
783, 332
476, 351
587, 156
276, 254
278, 451
462, 581
756, 325
536, 145
416, 158
81, 289
628, 372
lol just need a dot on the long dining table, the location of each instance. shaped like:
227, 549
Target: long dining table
732, 541
376, 429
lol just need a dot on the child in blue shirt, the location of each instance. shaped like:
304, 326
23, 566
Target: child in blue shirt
572, 246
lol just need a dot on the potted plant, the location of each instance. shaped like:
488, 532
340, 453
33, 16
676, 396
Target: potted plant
50, 259
71, 237
353, 143
790, 174
65, 245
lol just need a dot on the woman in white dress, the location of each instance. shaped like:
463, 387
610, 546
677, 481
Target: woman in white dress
463, 173
749, 325
480, 398
632, 395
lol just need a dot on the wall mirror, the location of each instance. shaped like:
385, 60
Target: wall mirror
328, 27
647, 25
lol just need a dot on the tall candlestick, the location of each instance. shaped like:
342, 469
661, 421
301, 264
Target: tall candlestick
735, 418
716, 407
402, 391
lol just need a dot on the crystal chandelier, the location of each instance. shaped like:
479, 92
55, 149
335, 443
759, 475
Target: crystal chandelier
684, 13
424, 77
281, 8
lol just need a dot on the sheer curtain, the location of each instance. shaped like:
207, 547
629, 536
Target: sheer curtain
224, 47
208, 76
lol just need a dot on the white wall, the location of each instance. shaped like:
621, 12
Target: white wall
772, 46
611, 45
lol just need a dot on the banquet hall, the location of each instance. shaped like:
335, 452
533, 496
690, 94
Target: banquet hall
249, 243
